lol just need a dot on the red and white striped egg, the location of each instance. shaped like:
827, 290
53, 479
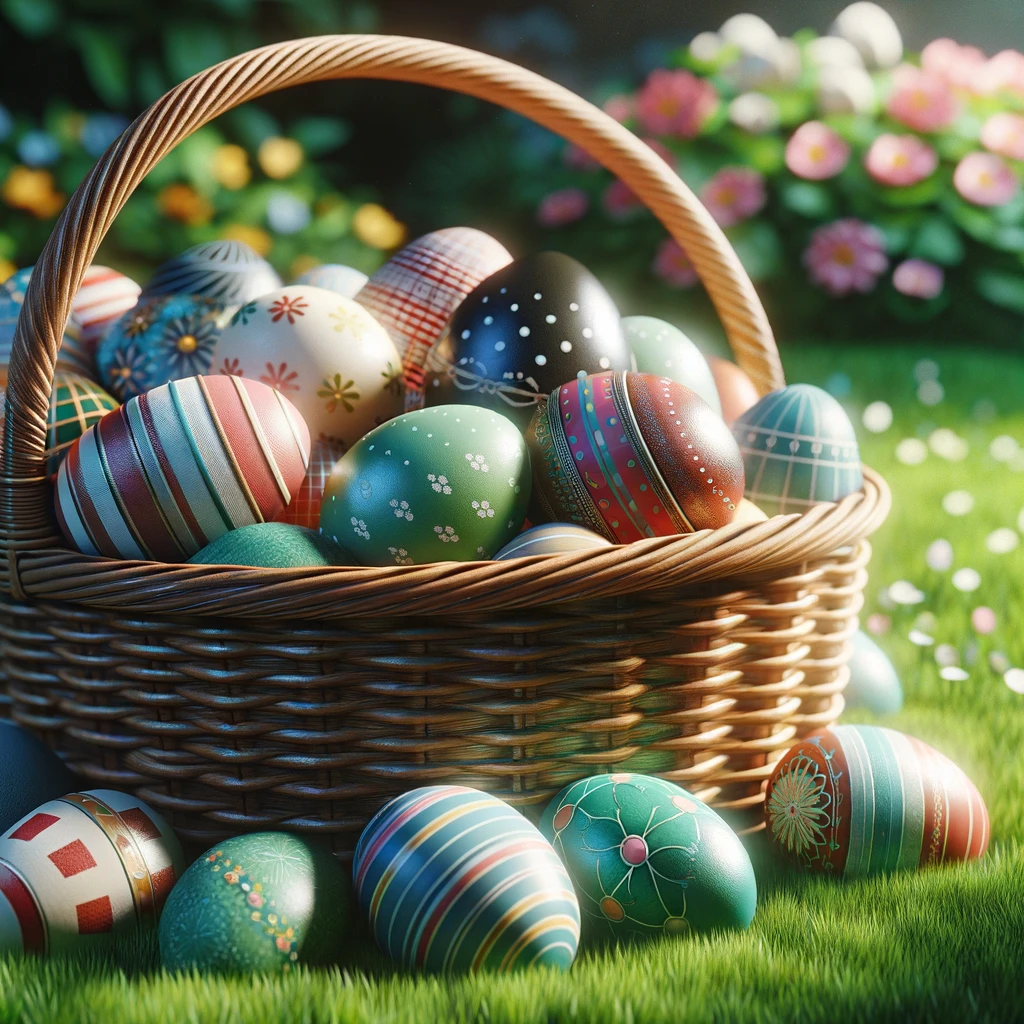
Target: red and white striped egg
179, 466
103, 297
78, 870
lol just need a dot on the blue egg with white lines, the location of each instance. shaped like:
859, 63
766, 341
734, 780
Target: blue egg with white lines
799, 449
455, 880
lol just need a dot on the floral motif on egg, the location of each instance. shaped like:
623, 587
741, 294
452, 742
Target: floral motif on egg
130, 371
188, 343
800, 807
288, 307
338, 391
280, 377
243, 314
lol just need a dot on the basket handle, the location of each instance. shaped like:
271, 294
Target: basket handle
25, 518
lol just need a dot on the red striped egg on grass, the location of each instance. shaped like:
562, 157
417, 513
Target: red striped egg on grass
176, 468
647, 858
864, 800
632, 455
453, 880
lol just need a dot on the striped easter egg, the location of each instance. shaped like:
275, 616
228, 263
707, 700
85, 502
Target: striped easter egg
304, 508
103, 296
176, 468
453, 879
227, 271
799, 448
551, 539
863, 800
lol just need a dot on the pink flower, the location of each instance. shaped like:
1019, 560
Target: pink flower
621, 107
1004, 73
900, 160
578, 159
846, 256
619, 200
956, 64
563, 206
675, 103
985, 180
918, 278
734, 194
1003, 133
921, 100
673, 266
816, 152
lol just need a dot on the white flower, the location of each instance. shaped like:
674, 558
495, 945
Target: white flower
401, 509
874, 33
846, 90
359, 528
440, 483
401, 556
446, 534
477, 462
483, 509
755, 113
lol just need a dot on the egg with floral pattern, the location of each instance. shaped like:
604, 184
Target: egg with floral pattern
226, 271
262, 902
335, 363
335, 277
448, 483
157, 341
646, 858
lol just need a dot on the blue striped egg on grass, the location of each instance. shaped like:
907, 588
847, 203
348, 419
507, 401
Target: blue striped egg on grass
454, 880
799, 448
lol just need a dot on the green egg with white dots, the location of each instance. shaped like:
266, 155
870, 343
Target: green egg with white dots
447, 483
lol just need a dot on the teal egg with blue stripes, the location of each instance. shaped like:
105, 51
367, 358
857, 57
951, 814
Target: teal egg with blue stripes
799, 449
454, 880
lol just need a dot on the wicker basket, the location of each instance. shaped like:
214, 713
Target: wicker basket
235, 699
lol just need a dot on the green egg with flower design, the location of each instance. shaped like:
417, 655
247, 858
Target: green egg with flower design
263, 902
647, 858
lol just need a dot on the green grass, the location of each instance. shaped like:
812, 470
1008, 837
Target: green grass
946, 944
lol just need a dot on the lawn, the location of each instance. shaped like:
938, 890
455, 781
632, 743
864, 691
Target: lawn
947, 944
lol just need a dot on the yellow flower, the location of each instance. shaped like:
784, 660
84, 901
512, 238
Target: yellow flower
373, 225
185, 204
279, 158
32, 190
231, 167
253, 236
6, 269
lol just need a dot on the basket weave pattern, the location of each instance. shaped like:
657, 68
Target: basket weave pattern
235, 699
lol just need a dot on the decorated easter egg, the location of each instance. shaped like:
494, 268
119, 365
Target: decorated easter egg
257, 903
415, 293
73, 354
748, 512
631, 455
736, 390
455, 880
103, 297
861, 800
873, 681
78, 870
449, 483
30, 774
335, 277
799, 448
531, 326
663, 349
174, 469
304, 508
647, 858
551, 539
227, 272
159, 340
272, 545
325, 352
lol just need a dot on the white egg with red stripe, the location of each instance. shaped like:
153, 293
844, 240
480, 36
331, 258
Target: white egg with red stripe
103, 296
78, 870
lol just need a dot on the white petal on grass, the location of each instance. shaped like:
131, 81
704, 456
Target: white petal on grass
947, 654
939, 555
878, 417
930, 392
967, 580
926, 369
954, 674
1014, 679
911, 451
1002, 541
948, 445
1003, 448
998, 662
919, 639
904, 592
958, 503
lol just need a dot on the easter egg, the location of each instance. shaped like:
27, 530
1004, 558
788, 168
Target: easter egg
256, 903
522, 332
631, 455
863, 800
174, 469
799, 448
227, 272
103, 297
73, 354
551, 539
873, 681
304, 508
78, 870
748, 512
449, 483
415, 293
325, 352
452, 879
646, 858
159, 340
736, 390
663, 349
272, 545
30, 774
335, 277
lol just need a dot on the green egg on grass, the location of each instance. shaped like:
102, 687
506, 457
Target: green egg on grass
272, 546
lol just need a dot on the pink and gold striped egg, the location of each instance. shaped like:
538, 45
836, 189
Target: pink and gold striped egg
179, 466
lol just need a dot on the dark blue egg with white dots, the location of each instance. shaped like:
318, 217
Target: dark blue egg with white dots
524, 331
